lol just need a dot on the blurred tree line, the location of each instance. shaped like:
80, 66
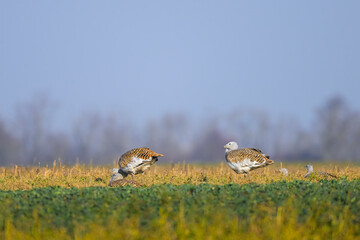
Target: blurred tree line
99, 139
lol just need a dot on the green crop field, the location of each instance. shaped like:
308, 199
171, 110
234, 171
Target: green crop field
179, 202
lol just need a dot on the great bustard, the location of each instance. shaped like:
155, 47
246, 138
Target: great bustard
310, 171
246, 159
135, 161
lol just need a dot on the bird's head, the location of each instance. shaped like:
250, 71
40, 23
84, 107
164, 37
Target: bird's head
309, 168
231, 146
115, 176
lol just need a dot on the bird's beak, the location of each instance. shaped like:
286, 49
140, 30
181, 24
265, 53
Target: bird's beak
225, 146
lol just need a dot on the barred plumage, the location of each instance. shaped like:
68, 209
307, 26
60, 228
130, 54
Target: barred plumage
246, 159
137, 160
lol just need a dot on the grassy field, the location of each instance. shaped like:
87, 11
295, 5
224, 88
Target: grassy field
19, 177
181, 201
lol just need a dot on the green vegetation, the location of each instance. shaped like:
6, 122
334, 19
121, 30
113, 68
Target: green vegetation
280, 210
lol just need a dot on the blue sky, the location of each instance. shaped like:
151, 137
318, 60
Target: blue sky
144, 59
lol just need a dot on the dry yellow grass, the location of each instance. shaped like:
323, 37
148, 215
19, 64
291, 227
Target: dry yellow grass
20, 177
169, 213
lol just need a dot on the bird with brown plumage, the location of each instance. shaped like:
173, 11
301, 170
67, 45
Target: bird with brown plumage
134, 161
246, 159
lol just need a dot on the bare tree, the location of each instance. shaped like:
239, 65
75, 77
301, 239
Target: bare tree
101, 139
117, 136
208, 147
86, 134
354, 139
32, 124
334, 126
58, 146
170, 135
249, 128
9, 147
302, 147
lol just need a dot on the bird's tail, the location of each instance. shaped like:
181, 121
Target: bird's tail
152, 153
158, 154
269, 162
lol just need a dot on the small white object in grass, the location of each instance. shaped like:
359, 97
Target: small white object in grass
284, 171
310, 170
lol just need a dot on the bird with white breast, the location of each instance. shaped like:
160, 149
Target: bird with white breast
133, 162
246, 159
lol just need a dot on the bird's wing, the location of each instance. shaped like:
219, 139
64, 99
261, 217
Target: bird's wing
259, 151
254, 157
137, 156
328, 174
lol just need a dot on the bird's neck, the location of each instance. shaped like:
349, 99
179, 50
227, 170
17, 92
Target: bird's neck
227, 150
234, 147
115, 177
123, 174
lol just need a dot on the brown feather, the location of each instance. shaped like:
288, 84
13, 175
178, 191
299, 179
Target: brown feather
250, 153
144, 153
258, 150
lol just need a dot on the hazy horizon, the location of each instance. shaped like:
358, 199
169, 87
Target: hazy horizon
143, 60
